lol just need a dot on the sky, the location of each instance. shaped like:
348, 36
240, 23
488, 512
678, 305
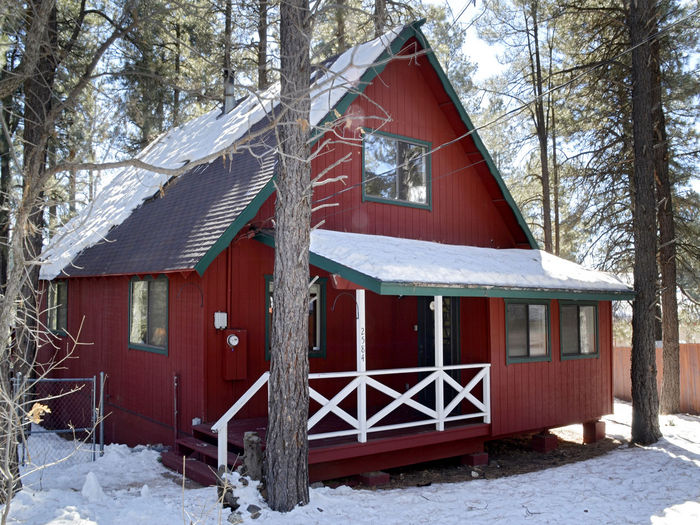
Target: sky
486, 56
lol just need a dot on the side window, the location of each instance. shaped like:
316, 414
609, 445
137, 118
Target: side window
527, 331
58, 307
317, 317
396, 170
578, 330
148, 314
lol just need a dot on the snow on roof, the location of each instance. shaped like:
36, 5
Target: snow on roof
430, 264
195, 140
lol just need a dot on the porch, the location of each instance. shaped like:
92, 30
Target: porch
365, 425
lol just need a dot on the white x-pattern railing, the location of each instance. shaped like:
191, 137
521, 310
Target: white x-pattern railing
360, 425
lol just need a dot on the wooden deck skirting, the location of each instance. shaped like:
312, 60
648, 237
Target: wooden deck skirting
690, 375
343, 456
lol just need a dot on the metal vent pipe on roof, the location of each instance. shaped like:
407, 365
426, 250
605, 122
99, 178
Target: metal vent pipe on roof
229, 96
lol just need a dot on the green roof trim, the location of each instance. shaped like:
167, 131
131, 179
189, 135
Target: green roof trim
411, 30
447, 86
246, 215
379, 287
343, 104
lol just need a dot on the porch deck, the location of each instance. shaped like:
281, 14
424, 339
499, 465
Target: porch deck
342, 456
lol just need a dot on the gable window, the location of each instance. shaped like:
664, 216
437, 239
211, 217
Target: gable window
148, 314
58, 307
317, 317
527, 331
578, 327
395, 169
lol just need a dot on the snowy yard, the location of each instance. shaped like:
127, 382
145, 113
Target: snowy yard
658, 484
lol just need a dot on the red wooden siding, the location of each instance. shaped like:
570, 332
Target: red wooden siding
539, 395
466, 208
392, 341
465, 199
139, 391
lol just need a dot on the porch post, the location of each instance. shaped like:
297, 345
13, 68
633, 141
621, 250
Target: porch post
361, 347
439, 383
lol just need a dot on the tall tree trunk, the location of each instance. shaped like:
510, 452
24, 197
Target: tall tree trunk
72, 193
227, 36
176, 89
340, 30
28, 227
555, 173
670, 389
5, 180
379, 17
286, 454
645, 401
262, 44
540, 124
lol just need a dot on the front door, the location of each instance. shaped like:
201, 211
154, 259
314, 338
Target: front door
426, 343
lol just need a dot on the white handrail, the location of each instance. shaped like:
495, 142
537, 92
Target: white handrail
362, 379
221, 426
439, 415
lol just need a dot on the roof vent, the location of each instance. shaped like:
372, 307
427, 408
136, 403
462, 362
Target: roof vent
229, 97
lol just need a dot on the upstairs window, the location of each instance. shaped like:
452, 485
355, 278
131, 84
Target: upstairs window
58, 307
527, 331
578, 326
396, 169
317, 317
148, 314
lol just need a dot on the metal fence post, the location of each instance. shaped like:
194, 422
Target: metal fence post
101, 414
94, 417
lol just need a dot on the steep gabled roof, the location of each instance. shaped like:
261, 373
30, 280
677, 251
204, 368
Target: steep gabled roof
143, 223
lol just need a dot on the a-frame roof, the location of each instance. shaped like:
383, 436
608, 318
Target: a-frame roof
143, 223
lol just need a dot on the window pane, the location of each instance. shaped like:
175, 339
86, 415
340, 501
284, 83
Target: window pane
139, 312
62, 306
380, 166
538, 329
412, 186
588, 335
314, 318
569, 328
517, 330
51, 307
158, 312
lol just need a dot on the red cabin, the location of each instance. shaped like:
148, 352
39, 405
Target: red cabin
433, 317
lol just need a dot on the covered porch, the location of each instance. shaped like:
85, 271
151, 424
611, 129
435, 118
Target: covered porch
443, 405
372, 419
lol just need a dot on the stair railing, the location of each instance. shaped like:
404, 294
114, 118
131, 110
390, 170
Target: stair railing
221, 426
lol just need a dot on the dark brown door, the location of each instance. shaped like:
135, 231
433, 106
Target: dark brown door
426, 343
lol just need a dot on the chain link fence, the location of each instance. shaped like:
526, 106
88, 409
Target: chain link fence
64, 418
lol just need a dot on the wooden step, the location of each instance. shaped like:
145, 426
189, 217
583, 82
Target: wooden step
207, 450
236, 431
194, 469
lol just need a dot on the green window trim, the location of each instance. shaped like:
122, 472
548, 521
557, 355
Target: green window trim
428, 171
147, 347
578, 354
529, 358
57, 308
321, 352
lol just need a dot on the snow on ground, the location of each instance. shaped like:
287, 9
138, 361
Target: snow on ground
657, 484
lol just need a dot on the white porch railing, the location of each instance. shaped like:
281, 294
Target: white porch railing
360, 380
